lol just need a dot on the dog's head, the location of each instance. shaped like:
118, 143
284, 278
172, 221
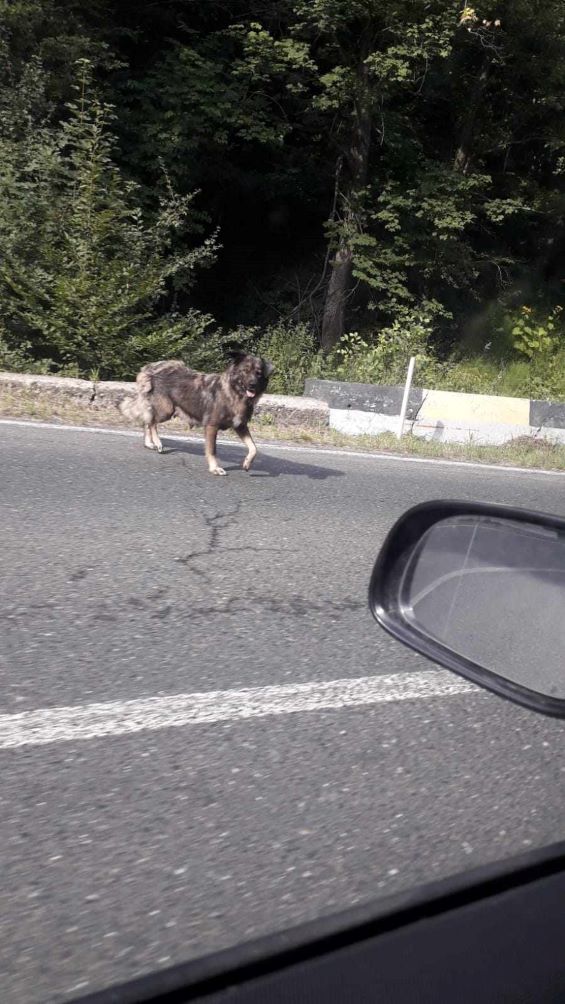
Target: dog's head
249, 375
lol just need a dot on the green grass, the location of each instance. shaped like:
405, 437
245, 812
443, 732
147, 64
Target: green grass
480, 375
517, 378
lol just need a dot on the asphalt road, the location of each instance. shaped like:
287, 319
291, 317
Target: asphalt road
127, 575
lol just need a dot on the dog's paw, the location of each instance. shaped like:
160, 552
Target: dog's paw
247, 464
218, 470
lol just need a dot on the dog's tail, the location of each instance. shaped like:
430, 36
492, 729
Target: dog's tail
138, 408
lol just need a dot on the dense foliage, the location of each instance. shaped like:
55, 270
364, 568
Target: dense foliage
338, 183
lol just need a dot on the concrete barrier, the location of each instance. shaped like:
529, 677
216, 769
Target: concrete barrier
443, 416
364, 397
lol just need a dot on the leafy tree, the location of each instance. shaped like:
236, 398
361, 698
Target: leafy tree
372, 56
84, 276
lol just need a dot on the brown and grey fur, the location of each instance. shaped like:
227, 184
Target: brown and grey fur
213, 400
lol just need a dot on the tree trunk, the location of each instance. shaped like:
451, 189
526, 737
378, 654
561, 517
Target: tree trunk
462, 160
336, 294
357, 166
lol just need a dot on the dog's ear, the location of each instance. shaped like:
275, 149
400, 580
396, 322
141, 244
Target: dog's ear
268, 368
236, 355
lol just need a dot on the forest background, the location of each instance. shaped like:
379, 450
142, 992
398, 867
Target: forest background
336, 184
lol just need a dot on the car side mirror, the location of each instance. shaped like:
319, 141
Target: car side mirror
479, 589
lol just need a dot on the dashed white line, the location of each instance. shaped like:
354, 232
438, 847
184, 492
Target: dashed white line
285, 447
117, 718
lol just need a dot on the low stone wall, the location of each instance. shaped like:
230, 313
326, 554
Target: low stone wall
104, 395
49, 388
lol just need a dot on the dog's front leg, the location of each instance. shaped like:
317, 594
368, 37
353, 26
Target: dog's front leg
210, 434
245, 436
147, 437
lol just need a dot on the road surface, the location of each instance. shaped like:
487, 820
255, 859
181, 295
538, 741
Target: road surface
145, 820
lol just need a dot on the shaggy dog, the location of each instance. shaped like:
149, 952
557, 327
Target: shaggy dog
213, 400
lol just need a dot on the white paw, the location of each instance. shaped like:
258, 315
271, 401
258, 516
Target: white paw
218, 470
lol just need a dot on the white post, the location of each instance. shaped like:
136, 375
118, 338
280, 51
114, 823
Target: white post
406, 394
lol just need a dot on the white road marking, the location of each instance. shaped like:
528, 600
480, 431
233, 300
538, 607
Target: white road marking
117, 718
365, 455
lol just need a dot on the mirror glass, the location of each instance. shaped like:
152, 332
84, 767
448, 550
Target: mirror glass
493, 590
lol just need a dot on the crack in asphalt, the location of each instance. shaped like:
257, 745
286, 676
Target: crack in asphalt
209, 552
216, 524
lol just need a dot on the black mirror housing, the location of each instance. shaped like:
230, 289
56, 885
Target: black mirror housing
479, 589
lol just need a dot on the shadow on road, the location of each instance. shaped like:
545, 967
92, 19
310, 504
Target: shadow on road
264, 467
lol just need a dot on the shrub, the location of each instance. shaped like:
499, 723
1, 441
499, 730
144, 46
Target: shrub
19, 359
385, 359
291, 350
533, 335
543, 378
534, 367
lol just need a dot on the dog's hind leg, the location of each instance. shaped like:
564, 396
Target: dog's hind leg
211, 432
245, 436
161, 410
154, 436
143, 410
